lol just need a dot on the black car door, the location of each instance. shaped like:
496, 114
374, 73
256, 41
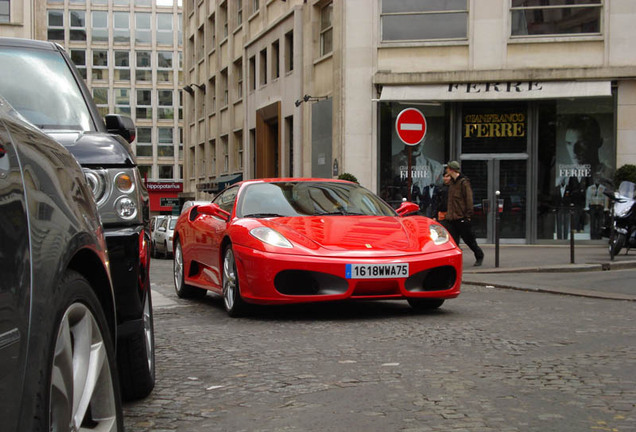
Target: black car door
15, 280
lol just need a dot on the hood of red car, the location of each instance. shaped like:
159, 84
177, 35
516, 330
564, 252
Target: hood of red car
357, 233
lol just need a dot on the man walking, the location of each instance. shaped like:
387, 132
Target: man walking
460, 210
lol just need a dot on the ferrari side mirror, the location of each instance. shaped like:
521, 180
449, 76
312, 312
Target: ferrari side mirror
214, 210
407, 208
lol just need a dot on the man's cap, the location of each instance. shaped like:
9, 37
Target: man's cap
454, 165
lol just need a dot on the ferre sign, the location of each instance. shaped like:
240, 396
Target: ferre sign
507, 125
496, 90
496, 87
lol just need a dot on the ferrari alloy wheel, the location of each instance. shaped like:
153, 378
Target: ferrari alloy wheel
183, 290
82, 390
234, 304
423, 305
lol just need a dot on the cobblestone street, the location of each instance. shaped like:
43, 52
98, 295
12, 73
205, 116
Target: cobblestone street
490, 360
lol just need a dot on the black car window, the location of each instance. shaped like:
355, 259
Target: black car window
41, 87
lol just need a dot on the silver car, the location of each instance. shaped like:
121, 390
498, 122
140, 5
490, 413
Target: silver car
162, 236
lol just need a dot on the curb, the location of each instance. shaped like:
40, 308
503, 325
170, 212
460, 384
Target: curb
561, 291
604, 266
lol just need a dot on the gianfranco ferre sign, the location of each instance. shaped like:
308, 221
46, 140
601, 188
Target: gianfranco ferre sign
494, 125
511, 90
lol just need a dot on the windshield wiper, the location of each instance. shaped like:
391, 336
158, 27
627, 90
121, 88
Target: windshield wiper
341, 213
262, 215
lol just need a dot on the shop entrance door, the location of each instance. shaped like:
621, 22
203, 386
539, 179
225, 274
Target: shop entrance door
508, 175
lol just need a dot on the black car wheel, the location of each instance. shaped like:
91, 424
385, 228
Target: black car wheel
166, 253
81, 387
183, 290
136, 357
423, 305
234, 303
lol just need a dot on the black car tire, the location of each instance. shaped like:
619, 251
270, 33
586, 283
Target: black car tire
136, 357
166, 253
424, 305
182, 289
153, 250
232, 299
77, 335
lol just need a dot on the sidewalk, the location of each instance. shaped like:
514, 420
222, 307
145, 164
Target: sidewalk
548, 268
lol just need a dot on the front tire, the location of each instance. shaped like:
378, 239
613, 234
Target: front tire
136, 357
234, 303
425, 305
80, 388
182, 289
616, 243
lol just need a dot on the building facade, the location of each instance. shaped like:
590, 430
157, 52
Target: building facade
536, 99
22, 19
130, 55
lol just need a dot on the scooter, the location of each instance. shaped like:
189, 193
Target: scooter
623, 219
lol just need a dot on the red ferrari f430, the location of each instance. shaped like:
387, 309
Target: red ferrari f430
277, 241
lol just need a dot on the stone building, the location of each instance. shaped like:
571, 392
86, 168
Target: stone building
130, 55
314, 88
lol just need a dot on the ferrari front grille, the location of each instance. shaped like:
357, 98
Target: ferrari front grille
435, 279
303, 283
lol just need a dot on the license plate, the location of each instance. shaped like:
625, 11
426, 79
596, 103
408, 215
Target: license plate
376, 271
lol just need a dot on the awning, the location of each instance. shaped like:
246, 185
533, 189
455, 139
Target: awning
513, 90
220, 183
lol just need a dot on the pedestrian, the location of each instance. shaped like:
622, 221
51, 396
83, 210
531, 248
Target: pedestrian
460, 210
441, 201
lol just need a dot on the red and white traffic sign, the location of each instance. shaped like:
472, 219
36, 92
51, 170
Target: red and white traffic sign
410, 126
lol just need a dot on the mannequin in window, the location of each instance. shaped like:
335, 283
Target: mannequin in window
562, 198
596, 205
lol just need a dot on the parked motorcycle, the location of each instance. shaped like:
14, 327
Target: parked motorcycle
623, 219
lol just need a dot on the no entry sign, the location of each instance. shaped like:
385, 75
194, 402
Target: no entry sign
410, 126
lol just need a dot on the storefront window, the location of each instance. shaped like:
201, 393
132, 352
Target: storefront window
426, 158
576, 165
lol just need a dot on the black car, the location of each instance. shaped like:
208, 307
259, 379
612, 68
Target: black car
40, 81
57, 310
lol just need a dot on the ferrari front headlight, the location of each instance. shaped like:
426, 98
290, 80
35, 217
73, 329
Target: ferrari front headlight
439, 235
271, 237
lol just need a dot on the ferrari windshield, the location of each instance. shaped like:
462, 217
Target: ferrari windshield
307, 198
40, 86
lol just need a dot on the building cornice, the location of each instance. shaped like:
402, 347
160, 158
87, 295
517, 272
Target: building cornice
561, 74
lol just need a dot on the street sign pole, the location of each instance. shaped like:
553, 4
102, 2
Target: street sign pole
410, 126
409, 181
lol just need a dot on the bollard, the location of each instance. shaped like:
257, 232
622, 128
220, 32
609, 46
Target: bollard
496, 207
571, 233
